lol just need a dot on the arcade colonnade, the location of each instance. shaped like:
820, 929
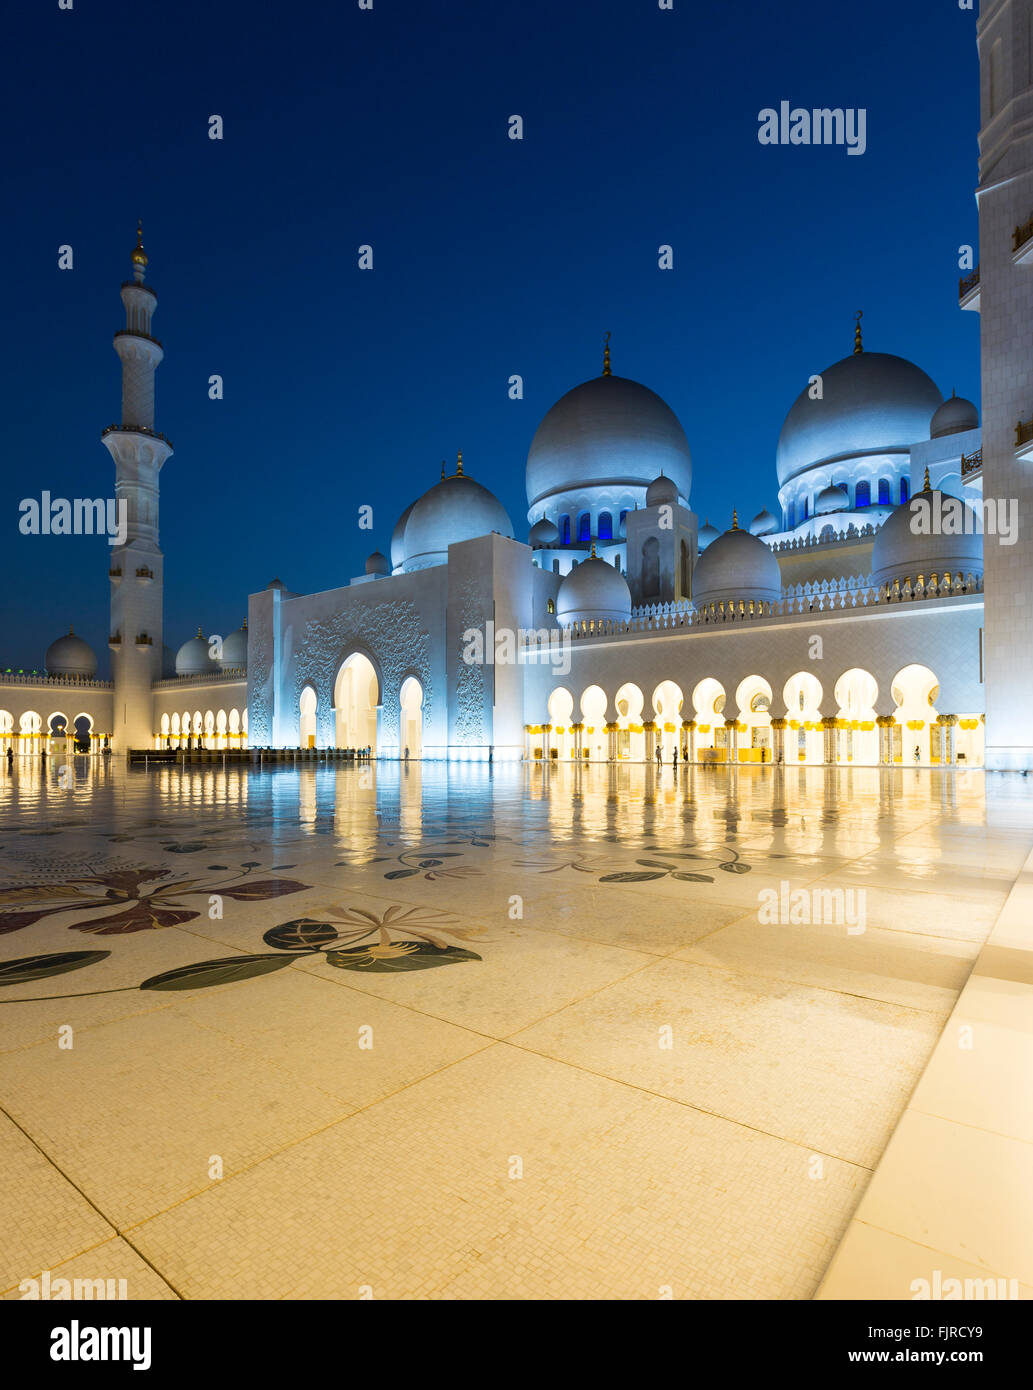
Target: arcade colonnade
32, 733
804, 722
211, 729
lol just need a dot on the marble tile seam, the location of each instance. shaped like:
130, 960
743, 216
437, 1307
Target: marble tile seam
113, 1230
686, 1105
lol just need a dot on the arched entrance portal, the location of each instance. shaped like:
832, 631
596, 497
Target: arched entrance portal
631, 742
916, 736
356, 700
857, 737
411, 700
667, 707
307, 724
561, 741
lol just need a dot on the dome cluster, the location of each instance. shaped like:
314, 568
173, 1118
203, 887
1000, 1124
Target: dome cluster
194, 657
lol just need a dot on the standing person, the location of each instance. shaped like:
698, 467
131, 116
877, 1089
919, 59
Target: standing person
406, 752
659, 756
10, 760
918, 753
676, 758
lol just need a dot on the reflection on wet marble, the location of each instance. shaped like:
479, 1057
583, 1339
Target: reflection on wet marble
446, 1031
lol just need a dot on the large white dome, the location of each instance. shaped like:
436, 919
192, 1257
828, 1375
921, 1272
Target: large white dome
193, 659
456, 509
736, 566
871, 403
594, 590
398, 538
608, 432
71, 656
234, 650
904, 550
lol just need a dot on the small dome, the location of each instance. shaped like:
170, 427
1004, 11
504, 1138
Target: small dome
831, 499
71, 656
912, 540
234, 650
661, 492
398, 539
595, 590
607, 432
706, 534
192, 659
736, 566
956, 414
543, 533
378, 564
456, 509
763, 524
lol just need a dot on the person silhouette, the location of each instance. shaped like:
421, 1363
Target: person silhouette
659, 756
918, 754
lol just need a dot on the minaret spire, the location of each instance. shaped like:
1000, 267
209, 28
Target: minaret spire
138, 452
606, 356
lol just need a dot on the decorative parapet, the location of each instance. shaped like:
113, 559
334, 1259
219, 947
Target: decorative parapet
825, 597
79, 682
1021, 235
231, 673
971, 463
809, 542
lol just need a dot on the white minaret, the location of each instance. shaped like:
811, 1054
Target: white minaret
1005, 199
137, 566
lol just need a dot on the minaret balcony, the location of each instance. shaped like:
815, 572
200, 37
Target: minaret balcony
115, 575
136, 333
144, 575
143, 642
971, 464
137, 429
1022, 244
115, 641
968, 291
1024, 441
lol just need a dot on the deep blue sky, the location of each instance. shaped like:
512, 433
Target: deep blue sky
492, 256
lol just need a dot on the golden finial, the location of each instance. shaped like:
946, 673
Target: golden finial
138, 255
592, 556
71, 630
858, 345
926, 484
735, 519
442, 470
606, 356
199, 632
244, 624
459, 464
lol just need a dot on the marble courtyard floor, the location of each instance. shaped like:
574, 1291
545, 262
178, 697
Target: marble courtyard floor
470, 1033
